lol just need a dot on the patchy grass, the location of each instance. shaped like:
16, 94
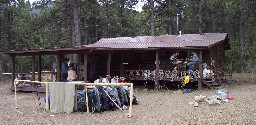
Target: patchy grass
155, 107
244, 77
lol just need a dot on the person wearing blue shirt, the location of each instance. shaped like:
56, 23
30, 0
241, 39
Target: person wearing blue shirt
64, 70
194, 60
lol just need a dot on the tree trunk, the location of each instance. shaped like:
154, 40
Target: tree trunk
121, 14
200, 18
214, 23
241, 41
1, 66
1, 54
85, 35
169, 24
152, 20
76, 37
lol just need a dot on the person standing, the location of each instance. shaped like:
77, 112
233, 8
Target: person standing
173, 58
71, 74
54, 72
64, 70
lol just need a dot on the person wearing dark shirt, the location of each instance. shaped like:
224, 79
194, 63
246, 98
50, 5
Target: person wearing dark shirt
64, 70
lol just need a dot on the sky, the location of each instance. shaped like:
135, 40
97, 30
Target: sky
138, 7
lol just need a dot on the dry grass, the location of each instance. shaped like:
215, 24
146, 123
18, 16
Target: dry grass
162, 107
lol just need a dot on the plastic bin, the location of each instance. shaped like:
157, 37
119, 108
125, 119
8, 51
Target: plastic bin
222, 93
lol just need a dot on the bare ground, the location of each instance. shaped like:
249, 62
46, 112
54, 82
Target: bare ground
162, 107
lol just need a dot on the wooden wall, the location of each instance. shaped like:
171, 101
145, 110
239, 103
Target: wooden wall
217, 54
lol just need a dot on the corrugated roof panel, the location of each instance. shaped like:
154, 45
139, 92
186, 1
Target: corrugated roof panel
185, 40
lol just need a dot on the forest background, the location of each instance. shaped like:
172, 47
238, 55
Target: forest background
66, 23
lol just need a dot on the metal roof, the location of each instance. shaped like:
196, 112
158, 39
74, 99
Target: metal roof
185, 41
164, 41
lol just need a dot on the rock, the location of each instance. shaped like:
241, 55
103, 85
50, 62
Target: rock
200, 98
195, 104
225, 100
213, 101
19, 112
196, 98
191, 103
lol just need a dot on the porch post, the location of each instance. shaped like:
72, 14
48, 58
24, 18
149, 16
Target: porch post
157, 71
122, 65
33, 69
58, 63
200, 70
200, 56
85, 66
108, 63
13, 69
39, 67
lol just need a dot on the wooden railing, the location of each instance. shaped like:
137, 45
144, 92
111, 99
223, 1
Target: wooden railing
162, 74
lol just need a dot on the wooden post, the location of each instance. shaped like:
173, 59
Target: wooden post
13, 69
58, 63
131, 100
47, 95
15, 95
39, 67
201, 75
85, 66
86, 96
108, 63
200, 70
200, 56
122, 65
157, 71
75, 102
33, 69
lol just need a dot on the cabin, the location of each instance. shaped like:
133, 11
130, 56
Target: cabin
141, 58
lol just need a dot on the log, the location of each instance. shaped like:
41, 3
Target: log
15, 95
86, 95
47, 95
131, 100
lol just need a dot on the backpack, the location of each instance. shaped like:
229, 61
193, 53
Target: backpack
104, 99
113, 93
124, 99
94, 102
135, 100
81, 101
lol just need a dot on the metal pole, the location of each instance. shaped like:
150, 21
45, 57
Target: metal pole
177, 19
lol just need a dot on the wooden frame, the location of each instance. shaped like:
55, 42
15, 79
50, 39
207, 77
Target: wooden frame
87, 85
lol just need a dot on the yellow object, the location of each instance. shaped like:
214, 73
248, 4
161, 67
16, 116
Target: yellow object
186, 79
211, 73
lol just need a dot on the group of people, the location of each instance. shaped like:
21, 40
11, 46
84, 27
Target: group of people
108, 79
68, 72
190, 62
21, 83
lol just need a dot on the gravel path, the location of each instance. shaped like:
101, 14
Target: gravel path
162, 107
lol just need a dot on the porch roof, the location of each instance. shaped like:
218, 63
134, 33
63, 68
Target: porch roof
203, 41
182, 42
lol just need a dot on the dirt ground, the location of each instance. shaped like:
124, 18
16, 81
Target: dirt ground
161, 107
